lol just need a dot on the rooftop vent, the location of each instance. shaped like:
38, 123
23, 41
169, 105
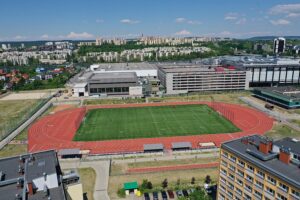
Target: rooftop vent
18, 197
2, 176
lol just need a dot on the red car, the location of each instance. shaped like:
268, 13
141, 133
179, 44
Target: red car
171, 194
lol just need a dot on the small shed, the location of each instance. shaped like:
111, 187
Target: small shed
177, 146
130, 187
69, 153
207, 145
153, 147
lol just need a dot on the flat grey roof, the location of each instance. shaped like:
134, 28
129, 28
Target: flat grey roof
43, 162
151, 147
127, 66
286, 172
293, 144
63, 152
290, 93
113, 77
183, 69
180, 145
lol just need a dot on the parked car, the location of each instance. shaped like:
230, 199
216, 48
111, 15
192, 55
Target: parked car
146, 196
164, 195
171, 194
179, 193
155, 196
185, 193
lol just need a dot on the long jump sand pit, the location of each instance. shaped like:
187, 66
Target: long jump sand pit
25, 96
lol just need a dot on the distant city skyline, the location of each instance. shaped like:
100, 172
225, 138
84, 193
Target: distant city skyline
78, 20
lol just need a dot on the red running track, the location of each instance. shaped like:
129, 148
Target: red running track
57, 130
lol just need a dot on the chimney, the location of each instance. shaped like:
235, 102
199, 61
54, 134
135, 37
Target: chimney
30, 188
284, 155
265, 146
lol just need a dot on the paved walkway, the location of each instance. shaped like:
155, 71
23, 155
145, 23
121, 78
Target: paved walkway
102, 175
283, 118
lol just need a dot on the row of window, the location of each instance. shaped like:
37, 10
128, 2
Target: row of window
109, 90
249, 178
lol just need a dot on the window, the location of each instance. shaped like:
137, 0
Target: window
249, 178
272, 180
250, 168
295, 193
270, 191
241, 163
232, 167
283, 187
232, 158
247, 197
248, 187
223, 171
260, 174
258, 194
239, 191
223, 180
231, 186
279, 196
240, 173
224, 163
231, 176
229, 193
225, 154
259, 184
240, 182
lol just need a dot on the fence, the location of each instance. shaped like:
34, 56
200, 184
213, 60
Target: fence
223, 110
22, 117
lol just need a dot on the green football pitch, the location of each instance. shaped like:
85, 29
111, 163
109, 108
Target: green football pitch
149, 122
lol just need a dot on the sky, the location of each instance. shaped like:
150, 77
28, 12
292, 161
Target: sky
22, 20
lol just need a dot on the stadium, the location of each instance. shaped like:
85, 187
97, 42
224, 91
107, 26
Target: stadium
135, 128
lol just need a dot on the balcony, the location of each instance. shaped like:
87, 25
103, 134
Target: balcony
269, 195
293, 197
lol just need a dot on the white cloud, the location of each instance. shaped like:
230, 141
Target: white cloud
231, 16
225, 33
45, 36
293, 15
183, 32
99, 21
280, 22
129, 21
194, 22
83, 35
241, 21
19, 37
180, 20
187, 21
285, 9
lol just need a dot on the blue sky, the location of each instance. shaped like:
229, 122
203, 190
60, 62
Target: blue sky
79, 19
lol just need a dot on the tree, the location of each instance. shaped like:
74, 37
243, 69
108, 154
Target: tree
207, 179
193, 180
199, 195
144, 184
149, 185
178, 182
165, 183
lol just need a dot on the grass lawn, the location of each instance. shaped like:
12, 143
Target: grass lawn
12, 112
13, 150
185, 176
280, 131
88, 179
148, 122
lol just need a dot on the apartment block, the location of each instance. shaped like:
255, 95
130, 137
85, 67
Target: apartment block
256, 167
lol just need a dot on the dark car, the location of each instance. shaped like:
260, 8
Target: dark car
164, 195
146, 196
185, 193
155, 196
179, 193
171, 194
